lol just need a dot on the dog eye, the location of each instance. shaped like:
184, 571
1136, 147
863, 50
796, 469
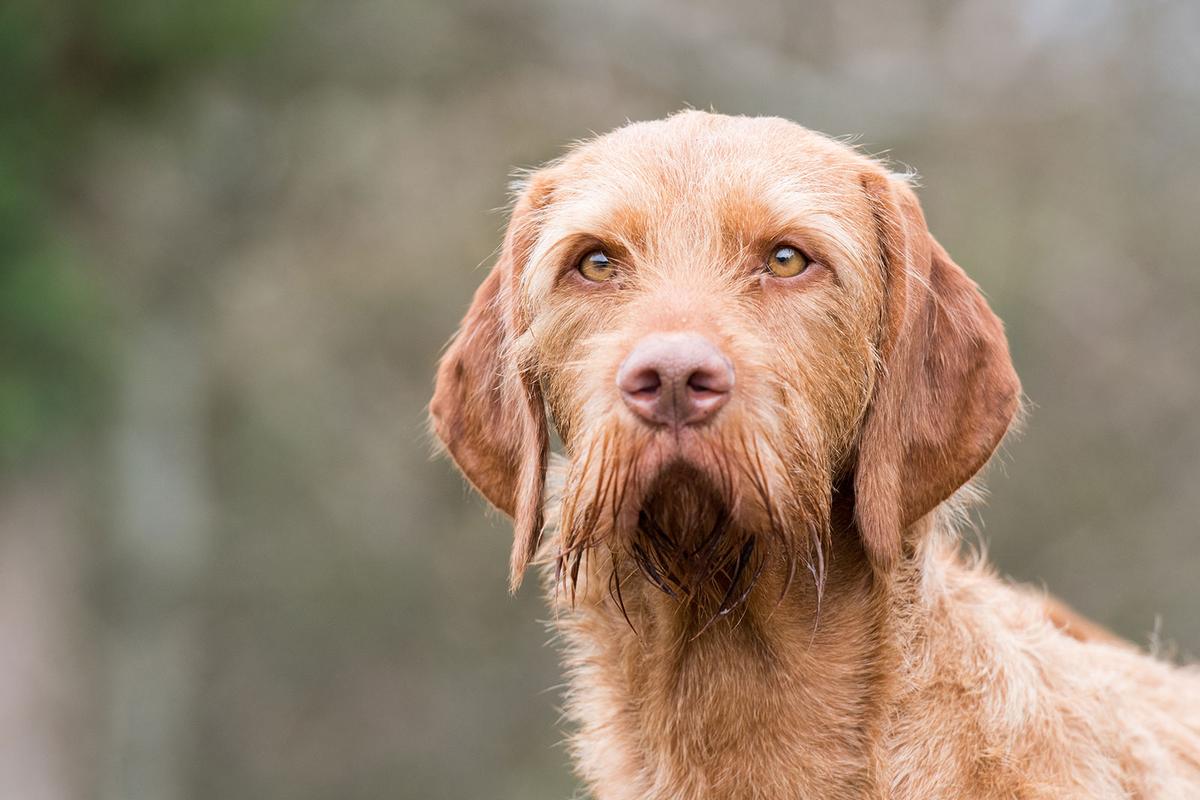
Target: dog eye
787, 262
596, 267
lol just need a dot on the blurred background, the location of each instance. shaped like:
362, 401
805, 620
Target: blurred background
235, 234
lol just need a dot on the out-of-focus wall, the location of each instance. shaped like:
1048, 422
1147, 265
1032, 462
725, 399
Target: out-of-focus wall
235, 237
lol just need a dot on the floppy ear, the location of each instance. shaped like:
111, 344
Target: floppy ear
486, 409
947, 391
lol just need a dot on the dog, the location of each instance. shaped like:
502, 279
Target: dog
774, 390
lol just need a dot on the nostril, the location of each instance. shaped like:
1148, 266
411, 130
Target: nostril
705, 383
712, 378
644, 383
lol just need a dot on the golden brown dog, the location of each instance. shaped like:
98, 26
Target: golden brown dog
771, 384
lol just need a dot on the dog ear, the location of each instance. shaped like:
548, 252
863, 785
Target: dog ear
947, 390
487, 409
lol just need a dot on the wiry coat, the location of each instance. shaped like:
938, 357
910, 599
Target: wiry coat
773, 604
943, 682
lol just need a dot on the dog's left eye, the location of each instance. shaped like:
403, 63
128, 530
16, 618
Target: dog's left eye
596, 267
787, 262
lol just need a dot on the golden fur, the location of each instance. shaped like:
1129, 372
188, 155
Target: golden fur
773, 604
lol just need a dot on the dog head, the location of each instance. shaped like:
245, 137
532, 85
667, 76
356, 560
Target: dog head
725, 319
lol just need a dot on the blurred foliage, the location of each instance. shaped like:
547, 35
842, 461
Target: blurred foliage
235, 235
51, 350
65, 66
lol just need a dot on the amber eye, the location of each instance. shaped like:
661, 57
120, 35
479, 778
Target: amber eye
787, 262
596, 267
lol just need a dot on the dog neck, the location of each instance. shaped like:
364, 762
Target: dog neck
793, 677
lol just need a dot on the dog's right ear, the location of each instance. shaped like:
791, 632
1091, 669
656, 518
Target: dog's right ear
487, 410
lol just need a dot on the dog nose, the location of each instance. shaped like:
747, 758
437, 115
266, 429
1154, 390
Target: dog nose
675, 379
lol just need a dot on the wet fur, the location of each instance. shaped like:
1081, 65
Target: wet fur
775, 605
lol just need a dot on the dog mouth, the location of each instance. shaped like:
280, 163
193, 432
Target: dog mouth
680, 541
698, 518
683, 536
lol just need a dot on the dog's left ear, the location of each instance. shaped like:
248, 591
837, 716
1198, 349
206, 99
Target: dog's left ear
487, 409
947, 390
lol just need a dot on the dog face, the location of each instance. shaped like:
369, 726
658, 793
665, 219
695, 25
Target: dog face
724, 318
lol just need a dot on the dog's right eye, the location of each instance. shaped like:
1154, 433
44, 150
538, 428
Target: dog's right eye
596, 267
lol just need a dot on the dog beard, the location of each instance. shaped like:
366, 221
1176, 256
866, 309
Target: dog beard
701, 525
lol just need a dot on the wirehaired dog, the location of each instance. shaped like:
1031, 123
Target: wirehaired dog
773, 387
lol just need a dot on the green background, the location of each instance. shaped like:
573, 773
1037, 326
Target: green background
235, 235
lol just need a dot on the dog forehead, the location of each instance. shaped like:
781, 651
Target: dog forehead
697, 139
702, 168
700, 181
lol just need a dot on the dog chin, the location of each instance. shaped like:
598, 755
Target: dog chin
684, 502
685, 536
698, 515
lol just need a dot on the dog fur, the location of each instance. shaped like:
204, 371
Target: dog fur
775, 604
